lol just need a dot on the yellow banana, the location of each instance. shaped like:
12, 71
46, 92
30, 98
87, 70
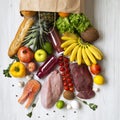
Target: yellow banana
95, 52
79, 55
69, 36
74, 53
90, 56
67, 43
85, 57
70, 48
100, 52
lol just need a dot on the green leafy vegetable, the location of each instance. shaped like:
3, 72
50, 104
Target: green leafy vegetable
73, 23
6, 71
30, 113
91, 105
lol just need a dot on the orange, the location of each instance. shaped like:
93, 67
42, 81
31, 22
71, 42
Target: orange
63, 14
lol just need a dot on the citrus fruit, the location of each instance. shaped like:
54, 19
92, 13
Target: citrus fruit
63, 14
99, 79
60, 104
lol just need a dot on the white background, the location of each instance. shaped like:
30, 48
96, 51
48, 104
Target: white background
105, 16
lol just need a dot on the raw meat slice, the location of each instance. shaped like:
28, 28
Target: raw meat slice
51, 89
83, 80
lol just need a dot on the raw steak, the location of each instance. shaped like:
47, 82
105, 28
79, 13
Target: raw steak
51, 89
82, 80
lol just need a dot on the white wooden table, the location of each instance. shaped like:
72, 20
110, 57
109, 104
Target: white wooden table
105, 16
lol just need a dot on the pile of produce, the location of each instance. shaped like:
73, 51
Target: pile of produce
59, 49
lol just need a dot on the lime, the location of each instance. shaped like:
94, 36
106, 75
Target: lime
60, 104
99, 79
47, 46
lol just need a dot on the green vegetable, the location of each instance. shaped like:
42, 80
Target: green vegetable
6, 71
30, 113
91, 105
73, 23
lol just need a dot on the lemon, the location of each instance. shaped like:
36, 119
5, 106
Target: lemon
99, 80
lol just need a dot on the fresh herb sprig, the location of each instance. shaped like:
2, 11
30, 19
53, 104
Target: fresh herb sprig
91, 105
6, 71
30, 113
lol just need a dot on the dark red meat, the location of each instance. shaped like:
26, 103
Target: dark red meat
83, 80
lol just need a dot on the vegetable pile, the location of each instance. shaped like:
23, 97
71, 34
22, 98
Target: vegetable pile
73, 23
48, 46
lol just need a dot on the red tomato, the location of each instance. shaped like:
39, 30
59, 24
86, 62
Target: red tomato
66, 60
69, 80
25, 54
65, 83
70, 84
61, 63
62, 69
67, 71
64, 78
66, 87
60, 58
71, 89
95, 69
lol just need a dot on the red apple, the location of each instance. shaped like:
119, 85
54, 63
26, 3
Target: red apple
95, 69
25, 54
31, 67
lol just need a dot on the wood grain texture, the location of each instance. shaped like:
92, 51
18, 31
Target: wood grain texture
105, 16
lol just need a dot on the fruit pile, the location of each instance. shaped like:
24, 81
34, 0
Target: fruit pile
44, 44
80, 51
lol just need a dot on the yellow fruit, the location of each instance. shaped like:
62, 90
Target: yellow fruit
99, 80
69, 36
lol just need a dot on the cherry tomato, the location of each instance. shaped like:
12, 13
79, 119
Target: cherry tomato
62, 69
66, 60
71, 89
70, 84
69, 80
61, 63
64, 78
60, 58
67, 71
66, 65
65, 83
68, 75
63, 74
66, 87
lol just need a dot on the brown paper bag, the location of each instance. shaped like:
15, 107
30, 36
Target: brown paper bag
70, 6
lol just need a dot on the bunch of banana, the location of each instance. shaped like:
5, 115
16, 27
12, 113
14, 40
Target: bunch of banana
80, 51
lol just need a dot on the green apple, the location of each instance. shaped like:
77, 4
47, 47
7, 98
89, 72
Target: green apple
40, 55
